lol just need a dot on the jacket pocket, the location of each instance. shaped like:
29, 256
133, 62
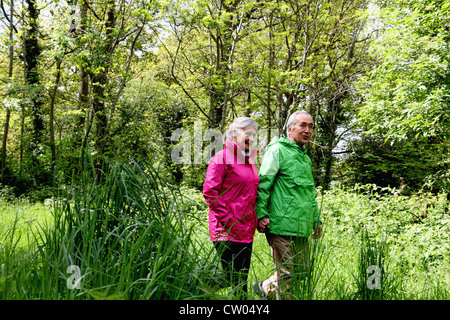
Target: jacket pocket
299, 173
280, 212
297, 217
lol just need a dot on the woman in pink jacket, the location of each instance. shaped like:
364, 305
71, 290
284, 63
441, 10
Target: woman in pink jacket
230, 191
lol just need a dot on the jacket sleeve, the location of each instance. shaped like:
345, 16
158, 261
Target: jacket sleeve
267, 174
212, 187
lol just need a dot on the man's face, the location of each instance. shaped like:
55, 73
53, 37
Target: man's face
302, 131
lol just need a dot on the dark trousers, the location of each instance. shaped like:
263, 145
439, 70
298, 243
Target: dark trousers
235, 258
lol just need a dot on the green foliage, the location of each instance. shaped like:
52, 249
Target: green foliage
412, 226
406, 165
122, 82
406, 94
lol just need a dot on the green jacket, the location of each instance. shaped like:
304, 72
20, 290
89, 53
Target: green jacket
286, 192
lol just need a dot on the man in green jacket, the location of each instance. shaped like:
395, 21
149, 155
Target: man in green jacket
286, 205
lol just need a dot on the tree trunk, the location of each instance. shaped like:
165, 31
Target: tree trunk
32, 52
52, 113
334, 110
8, 110
269, 82
101, 80
81, 129
83, 88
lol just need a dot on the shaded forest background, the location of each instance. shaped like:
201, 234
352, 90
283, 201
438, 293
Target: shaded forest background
117, 79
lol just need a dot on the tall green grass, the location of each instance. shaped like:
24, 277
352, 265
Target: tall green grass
371, 226
19, 221
133, 235
124, 231
374, 279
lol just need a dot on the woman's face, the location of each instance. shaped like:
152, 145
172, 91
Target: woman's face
245, 138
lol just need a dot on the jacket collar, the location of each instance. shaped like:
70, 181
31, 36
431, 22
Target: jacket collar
285, 141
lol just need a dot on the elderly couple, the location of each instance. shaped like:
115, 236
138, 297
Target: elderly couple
280, 202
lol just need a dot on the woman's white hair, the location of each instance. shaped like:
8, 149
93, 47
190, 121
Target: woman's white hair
291, 120
238, 124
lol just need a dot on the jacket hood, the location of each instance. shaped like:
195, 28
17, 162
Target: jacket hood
286, 142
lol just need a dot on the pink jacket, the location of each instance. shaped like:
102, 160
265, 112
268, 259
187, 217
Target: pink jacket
230, 191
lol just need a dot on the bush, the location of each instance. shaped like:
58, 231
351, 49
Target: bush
413, 230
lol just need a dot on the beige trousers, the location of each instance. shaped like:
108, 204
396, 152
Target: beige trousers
291, 259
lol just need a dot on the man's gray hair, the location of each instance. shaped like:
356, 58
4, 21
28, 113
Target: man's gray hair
238, 124
291, 120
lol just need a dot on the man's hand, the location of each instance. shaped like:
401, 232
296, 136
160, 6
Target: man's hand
317, 233
263, 224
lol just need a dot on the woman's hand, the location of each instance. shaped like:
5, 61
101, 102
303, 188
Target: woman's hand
263, 224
